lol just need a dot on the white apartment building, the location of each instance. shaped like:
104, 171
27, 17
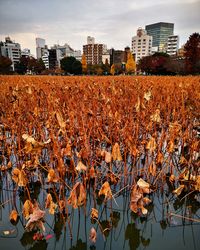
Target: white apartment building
11, 50
45, 58
141, 44
172, 45
26, 52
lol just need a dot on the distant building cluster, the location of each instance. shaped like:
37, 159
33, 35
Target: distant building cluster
51, 57
158, 37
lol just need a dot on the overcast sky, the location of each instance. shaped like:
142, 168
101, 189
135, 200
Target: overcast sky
112, 22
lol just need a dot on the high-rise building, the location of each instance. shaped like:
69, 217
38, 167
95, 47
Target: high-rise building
42, 51
160, 33
172, 45
94, 51
40, 42
141, 44
11, 50
40, 47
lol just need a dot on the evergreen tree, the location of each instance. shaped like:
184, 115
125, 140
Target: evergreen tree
66, 64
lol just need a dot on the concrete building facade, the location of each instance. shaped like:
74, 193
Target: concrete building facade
119, 57
65, 51
172, 45
141, 44
40, 46
11, 50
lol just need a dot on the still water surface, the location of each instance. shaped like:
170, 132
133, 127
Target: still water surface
122, 229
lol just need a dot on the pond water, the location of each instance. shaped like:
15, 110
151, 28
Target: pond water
171, 223
136, 141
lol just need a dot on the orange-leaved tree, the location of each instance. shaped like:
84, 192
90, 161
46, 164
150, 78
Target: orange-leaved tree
130, 65
84, 64
112, 70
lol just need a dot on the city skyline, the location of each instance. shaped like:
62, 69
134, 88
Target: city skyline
111, 22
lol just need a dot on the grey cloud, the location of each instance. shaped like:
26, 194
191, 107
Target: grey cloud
113, 22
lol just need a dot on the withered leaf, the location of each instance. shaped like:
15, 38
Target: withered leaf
77, 196
144, 186
106, 190
93, 235
27, 209
36, 219
116, 154
92, 173
50, 204
170, 146
51, 177
81, 167
156, 116
197, 184
179, 190
94, 214
152, 169
14, 216
108, 157
19, 177
172, 178
159, 158
60, 120
151, 145
147, 95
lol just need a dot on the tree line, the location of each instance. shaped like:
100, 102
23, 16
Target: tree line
157, 64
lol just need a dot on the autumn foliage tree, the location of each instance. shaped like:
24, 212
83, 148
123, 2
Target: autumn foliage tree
192, 54
84, 64
130, 65
154, 64
112, 70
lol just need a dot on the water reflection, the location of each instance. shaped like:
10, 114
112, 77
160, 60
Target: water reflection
117, 227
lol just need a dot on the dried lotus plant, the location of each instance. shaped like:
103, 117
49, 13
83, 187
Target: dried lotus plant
106, 190
50, 204
77, 196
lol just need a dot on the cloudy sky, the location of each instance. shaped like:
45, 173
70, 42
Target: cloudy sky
112, 22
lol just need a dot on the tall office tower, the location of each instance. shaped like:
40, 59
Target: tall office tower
11, 50
141, 44
160, 33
